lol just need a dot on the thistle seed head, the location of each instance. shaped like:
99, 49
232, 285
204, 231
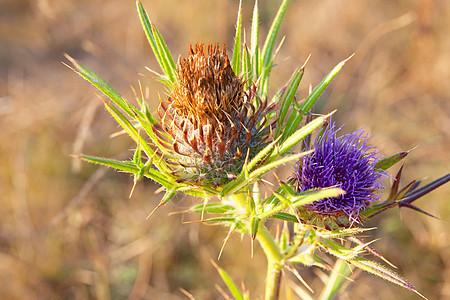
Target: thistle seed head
207, 86
212, 120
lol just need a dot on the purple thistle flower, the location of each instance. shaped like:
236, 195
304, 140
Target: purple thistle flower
346, 162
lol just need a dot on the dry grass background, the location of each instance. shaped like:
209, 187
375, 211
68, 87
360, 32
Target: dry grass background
69, 231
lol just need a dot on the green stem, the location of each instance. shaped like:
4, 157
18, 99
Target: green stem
274, 262
273, 281
271, 250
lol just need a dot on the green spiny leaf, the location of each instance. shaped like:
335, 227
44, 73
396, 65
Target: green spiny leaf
137, 155
214, 208
289, 139
265, 73
170, 193
101, 85
130, 129
342, 232
254, 43
383, 272
299, 200
165, 53
272, 165
234, 186
261, 154
285, 217
148, 128
125, 166
256, 193
269, 44
340, 251
318, 90
236, 60
284, 239
147, 26
288, 190
148, 116
254, 224
246, 66
229, 282
376, 209
165, 180
143, 170
285, 201
386, 163
287, 99
297, 115
158, 45
251, 206
309, 197
271, 200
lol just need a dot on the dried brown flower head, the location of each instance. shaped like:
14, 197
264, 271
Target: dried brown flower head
212, 118
207, 85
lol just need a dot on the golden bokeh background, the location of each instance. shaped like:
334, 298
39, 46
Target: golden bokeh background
68, 229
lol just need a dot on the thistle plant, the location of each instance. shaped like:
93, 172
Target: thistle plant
219, 132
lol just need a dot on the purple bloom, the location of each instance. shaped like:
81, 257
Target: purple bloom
346, 162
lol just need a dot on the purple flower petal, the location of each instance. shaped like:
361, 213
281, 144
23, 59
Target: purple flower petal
346, 162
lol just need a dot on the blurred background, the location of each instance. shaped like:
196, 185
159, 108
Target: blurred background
68, 229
